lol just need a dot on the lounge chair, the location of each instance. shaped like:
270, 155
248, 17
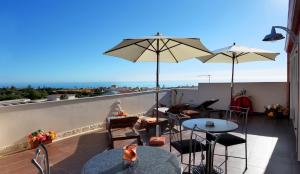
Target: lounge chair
194, 110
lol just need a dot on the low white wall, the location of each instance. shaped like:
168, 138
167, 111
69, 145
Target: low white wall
70, 117
262, 93
62, 116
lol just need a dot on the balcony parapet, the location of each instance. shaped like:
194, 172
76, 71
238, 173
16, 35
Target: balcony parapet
67, 117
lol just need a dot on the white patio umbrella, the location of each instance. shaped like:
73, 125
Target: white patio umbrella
238, 54
159, 48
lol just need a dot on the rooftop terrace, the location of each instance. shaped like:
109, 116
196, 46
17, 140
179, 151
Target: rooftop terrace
271, 150
81, 131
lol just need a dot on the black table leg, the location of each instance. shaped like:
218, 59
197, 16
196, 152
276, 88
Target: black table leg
209, 155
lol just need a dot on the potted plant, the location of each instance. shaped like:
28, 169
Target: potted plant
276, 111
40, 136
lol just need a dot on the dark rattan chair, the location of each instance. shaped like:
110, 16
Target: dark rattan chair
122, 128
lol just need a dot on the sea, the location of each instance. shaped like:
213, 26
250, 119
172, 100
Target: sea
133, 84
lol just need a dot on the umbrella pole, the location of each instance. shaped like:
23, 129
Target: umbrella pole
231, 85
157, 88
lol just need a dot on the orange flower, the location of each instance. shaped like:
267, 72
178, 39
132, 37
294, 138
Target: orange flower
129, 152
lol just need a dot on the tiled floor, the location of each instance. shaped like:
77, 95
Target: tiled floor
271, 149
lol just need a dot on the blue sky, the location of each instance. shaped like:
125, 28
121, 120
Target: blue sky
63, 41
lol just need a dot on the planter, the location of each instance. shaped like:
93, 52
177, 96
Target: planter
35, 144
276, 115
276, 111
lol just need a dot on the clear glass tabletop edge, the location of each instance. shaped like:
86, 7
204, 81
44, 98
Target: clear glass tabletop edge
220, 125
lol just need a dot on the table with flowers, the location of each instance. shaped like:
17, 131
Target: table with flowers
150, 160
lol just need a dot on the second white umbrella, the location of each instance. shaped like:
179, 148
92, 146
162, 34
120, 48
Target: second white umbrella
238, 54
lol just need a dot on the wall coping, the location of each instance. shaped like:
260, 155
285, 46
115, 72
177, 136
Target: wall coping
243, 83
27, 106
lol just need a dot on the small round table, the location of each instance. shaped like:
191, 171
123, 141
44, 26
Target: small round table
220, 125
151, 160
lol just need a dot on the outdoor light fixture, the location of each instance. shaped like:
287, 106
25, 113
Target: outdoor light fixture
273, 36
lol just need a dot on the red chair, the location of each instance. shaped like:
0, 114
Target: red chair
242, 102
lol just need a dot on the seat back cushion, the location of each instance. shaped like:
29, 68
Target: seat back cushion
122, 122
178, 108
206, 104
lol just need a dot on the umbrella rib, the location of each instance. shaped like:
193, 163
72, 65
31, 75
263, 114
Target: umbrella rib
241, 54
264, 56
244, 53
170, 52
171, 47
151, 43
164, 45
124, 46
216, 55
144, 47
143, 52
191, 46
225, 54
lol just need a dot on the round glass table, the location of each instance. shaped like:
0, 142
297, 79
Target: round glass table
151, 160
220, 125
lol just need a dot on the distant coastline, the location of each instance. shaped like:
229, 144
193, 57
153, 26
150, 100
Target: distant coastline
131, 84
23, 93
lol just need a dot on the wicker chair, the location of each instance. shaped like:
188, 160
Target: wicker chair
122, 128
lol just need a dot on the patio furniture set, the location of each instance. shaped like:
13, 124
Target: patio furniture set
204, 133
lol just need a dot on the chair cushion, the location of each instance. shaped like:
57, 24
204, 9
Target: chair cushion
149, 120
229, 139
178, 108
123, 132
121, 122
191, 112
157, 141
206, 104
183, 146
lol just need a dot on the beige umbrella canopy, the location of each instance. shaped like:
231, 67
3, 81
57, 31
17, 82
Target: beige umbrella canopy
238, 54
170, 49
159, 48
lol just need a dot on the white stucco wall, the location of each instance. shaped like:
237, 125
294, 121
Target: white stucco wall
262, 93
16, 122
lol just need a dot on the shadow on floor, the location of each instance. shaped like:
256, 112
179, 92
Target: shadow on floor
80, 150
274, 145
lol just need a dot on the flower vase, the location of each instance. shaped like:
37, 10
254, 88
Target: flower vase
129, 156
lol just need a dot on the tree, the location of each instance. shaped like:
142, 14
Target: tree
63, 97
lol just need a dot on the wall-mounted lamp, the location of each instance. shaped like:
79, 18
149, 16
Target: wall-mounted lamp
273, 36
